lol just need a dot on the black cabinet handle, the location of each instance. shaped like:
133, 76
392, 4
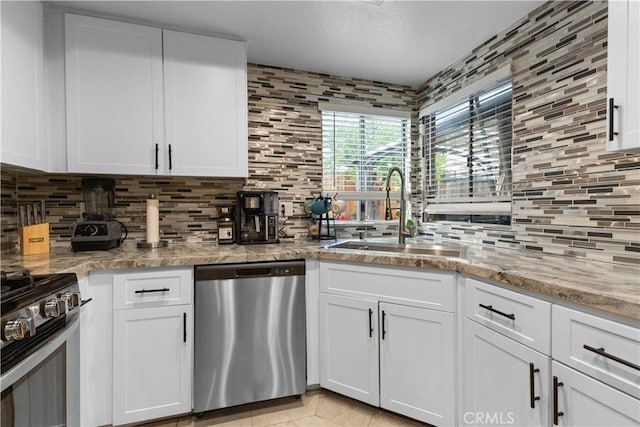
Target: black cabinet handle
147, 291
490, 308
170, 160
370, 323
612, 107
157, 149
603, 353
184, 327
556, 414
532, 393
384, 331
85, 301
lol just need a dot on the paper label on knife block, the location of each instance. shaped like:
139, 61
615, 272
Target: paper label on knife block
34, 239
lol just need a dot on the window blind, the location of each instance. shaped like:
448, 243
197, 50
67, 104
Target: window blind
468, 150
357, 152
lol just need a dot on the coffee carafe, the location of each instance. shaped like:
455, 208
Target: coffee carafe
257, 217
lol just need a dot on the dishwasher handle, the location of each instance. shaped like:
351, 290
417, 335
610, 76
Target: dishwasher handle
253, 272
249, 270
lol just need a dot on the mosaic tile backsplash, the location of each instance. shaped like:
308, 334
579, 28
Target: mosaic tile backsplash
569, 195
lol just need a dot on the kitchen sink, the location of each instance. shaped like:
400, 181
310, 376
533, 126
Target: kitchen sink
399, 248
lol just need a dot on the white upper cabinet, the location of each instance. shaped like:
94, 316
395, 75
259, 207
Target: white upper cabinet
623, 76
114, 96
143, 101
23, 142
205, 84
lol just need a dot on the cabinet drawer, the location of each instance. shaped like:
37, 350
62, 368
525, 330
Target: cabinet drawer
520, 317
412, 287
617, 343
153, 287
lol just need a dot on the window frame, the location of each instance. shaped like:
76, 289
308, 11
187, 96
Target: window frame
469, 205
366, 111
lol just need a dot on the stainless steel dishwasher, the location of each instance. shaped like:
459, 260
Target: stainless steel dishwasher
249, 333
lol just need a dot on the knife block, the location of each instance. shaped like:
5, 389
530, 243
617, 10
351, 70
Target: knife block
34, 239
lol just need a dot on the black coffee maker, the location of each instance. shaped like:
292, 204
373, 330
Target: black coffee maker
257, 217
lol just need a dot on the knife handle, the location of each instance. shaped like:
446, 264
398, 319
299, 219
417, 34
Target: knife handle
22, 215
36, 214
28, 216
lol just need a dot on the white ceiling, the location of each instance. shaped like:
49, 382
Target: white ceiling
403, 42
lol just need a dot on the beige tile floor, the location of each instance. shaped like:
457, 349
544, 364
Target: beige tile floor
318, 408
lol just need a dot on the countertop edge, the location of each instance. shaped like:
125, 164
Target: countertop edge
547, 287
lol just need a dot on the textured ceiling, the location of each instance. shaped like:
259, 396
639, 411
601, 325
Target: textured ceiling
403, 42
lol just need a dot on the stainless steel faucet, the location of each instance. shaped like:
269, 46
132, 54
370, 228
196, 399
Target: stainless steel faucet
402, 232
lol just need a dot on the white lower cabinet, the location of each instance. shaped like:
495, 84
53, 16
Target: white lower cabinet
417, 363
400, 357
590, 377
349, 347
580, 401
96, 321
152, 343
504, 382
136, 345
151, 363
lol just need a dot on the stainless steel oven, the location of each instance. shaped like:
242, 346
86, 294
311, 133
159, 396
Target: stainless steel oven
40, 351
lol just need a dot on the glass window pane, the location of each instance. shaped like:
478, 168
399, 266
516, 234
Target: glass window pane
357, 152
467, 155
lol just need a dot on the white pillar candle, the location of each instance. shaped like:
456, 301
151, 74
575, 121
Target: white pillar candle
153, 220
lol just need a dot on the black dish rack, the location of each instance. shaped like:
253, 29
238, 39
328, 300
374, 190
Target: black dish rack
325, 222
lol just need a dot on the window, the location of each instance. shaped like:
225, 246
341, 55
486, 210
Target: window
467, 157
357, 151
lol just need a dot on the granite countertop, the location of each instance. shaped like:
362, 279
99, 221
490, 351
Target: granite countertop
612, 289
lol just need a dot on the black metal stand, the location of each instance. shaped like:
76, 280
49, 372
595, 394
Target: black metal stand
326, 231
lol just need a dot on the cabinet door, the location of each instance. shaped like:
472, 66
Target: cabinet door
623, 68
152, 360
114, 96
498, 385
349, 347
96, 375
583, 401
205, 86
23, 142
417, 363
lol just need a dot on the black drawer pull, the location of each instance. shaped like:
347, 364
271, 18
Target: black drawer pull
384, 331
603, 353
148, 291
612, 107
184, 327
556, 414
490, 308
157, 148
85, 301
532, 393
170, 159
370, 324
